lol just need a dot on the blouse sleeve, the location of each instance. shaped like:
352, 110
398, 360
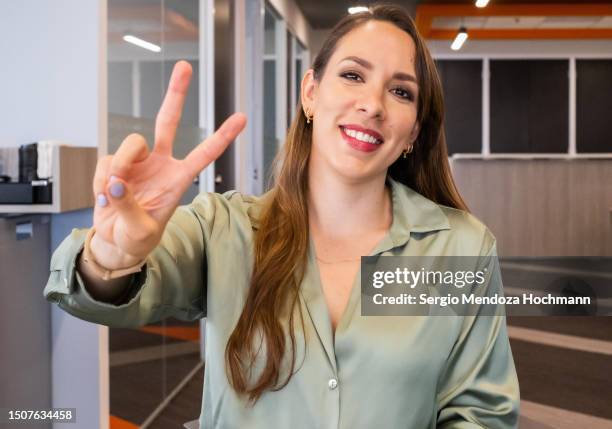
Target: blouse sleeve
174, 280
479, 386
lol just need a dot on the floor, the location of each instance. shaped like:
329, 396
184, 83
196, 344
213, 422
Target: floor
156, 375
565, 381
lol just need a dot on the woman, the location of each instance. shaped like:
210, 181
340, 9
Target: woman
364, 171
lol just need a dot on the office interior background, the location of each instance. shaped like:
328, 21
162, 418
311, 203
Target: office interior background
529, 109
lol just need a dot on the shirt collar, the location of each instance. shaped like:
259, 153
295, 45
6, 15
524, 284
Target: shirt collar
413, 213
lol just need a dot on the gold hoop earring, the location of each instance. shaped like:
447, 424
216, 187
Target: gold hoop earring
407, 151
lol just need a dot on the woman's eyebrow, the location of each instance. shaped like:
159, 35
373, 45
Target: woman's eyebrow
368, 65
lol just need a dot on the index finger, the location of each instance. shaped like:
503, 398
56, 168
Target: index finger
170, 111
212, 148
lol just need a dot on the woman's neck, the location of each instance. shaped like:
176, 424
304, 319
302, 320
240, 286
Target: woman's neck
343, 208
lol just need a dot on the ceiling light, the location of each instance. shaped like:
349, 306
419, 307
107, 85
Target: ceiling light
142, 43
482, 3
357, 9
460, 38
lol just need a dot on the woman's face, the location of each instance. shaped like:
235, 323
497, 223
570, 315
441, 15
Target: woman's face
365, 104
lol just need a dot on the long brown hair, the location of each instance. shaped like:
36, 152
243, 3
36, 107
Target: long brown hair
281, 240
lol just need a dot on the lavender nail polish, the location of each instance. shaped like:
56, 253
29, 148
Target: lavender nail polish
117, 190
102, 201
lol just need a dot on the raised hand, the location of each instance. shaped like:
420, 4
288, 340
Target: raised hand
137, 191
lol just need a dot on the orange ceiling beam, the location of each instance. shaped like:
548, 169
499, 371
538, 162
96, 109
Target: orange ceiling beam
425, 15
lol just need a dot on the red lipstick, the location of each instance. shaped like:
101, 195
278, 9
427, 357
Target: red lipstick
361, 145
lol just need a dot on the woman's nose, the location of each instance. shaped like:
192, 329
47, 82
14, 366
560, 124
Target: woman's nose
372, 103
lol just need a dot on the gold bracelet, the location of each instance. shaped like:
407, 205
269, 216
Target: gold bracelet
101, 271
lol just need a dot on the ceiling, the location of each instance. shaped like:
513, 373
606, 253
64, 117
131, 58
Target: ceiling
323, 14
515, 22
153, 20
436, 19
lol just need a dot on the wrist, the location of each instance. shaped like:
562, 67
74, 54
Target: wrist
108, 255
119, 265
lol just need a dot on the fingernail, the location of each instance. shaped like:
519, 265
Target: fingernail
102, 201
112, 178
117, 190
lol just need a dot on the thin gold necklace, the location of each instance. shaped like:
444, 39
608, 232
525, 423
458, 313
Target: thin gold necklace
339, 261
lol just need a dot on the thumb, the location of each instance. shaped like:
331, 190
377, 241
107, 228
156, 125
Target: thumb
140, 226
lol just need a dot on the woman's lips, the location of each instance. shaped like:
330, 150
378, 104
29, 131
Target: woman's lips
358, 144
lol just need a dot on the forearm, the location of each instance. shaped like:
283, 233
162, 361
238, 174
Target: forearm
173, 282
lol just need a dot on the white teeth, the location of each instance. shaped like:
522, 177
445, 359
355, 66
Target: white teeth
362, 136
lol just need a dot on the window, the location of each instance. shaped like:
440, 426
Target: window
529, 106
594, 106
462, 85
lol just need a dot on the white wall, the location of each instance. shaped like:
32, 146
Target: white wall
52, 71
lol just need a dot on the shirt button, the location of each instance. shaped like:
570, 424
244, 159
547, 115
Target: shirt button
332, 383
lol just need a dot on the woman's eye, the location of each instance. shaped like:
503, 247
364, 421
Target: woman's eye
350, 76
403, 93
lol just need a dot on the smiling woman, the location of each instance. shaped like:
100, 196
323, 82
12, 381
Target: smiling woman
364, 171
365, 89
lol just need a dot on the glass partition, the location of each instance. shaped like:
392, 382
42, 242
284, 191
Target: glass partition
159, 361
299, 66
272, 56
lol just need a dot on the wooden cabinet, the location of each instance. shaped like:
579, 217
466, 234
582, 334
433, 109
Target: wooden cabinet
541, 207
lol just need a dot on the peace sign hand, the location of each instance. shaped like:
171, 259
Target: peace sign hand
137, 191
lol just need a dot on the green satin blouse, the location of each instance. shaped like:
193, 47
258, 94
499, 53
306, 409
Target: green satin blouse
376, 372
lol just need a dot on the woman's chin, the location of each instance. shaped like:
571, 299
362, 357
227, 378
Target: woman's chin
346, 166
358, 171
